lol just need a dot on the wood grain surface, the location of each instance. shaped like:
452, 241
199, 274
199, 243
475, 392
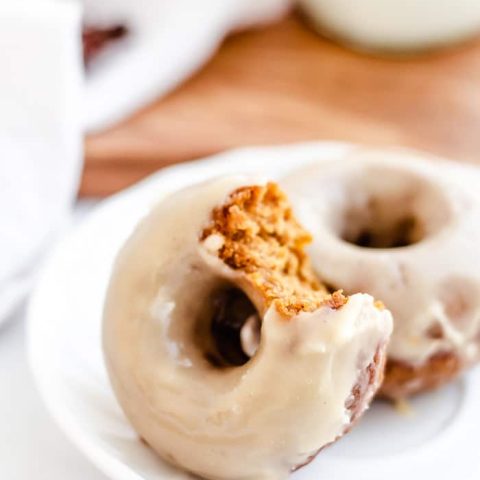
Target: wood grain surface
284, 84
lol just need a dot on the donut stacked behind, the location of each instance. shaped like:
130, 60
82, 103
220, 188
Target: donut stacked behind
205, 264
405, 229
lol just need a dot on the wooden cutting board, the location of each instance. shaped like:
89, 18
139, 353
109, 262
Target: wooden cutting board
284, 84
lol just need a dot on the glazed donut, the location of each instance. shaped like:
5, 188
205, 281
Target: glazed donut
199, 384
405, 229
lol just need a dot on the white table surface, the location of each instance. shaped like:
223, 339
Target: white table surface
31, 446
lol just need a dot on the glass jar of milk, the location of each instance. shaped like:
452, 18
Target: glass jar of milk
395, 25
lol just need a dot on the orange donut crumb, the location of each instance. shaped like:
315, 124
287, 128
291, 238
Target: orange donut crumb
259, 235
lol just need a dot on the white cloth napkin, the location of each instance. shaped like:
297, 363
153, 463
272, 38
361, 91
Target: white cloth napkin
40, 141
167, 41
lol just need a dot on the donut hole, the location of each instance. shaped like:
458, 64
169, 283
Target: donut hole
234, 328
371, 228
388, 207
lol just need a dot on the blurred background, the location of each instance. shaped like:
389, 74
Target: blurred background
283, 82
97, 94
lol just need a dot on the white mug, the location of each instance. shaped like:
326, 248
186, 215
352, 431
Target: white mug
396, 25
40, 133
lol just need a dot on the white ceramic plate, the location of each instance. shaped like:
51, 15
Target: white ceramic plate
438, 439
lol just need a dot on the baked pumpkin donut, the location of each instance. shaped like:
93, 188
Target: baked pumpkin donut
406, 229
205, 387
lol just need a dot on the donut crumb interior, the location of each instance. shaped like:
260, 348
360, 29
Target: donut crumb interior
255, 231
